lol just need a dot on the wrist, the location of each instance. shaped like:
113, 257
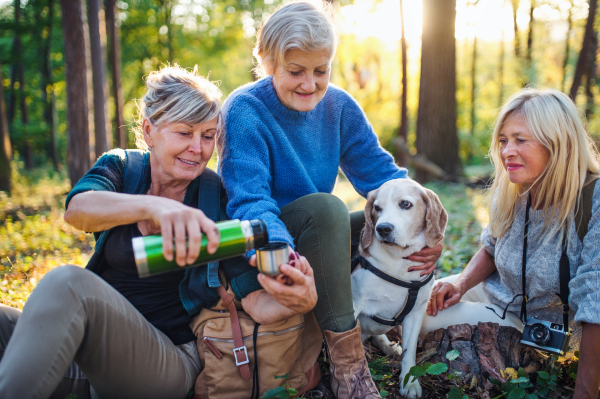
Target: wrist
462, 285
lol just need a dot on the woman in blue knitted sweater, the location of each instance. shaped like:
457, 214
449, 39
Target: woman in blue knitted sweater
285, 138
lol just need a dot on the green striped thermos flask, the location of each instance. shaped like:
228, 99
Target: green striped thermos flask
237, 237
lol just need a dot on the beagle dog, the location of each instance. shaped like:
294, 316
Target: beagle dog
402, 217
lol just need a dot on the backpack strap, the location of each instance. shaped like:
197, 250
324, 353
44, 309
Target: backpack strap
209, 202
584, 211
135, 171
240, 352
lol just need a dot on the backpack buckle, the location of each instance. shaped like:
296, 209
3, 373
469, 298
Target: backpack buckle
239, 350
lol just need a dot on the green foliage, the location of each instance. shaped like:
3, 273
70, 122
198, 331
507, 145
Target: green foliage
283, 392
524, 387
452, 355
423, 369
34, 237
380, 372
456, 393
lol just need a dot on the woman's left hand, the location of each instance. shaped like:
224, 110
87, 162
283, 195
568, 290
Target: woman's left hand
301, 294
427, 256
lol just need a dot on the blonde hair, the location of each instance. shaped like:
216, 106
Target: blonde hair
176, 95
553, 120
302, 25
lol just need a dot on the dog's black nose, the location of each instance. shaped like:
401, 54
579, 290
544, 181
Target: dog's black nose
385, 229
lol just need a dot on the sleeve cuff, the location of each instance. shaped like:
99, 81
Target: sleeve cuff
245, 283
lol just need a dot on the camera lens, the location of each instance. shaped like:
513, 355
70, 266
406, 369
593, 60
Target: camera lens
540, 334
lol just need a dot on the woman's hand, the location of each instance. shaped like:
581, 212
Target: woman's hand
427, 256
444, 295
264, 309
184, 224
294, 288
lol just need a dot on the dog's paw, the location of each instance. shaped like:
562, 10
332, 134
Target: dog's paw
411, 390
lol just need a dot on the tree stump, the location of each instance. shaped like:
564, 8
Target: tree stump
485, 350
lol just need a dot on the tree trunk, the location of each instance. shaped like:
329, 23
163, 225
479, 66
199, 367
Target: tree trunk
591, 76
485, 351
473, 75
515, 7
114, 37
530, 35
44, 33
167, 6
19, 74
97, 26
437, 138
583, 54
78, 128
566, 58
5, 147
401, 159
501, 72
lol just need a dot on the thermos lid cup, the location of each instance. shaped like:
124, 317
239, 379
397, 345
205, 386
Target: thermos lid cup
271, 256
259, 230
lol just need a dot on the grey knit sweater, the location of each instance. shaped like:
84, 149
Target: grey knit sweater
542, 272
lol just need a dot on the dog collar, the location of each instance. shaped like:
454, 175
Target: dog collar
411, 298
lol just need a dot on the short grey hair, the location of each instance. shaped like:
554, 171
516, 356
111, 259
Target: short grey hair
177, 95
302, 25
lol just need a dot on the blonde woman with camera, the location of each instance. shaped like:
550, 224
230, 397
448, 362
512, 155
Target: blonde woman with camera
544, 157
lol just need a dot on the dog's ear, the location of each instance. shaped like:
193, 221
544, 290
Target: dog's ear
367, 233
435, 219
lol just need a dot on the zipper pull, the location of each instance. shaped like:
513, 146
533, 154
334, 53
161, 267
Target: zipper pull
213, 348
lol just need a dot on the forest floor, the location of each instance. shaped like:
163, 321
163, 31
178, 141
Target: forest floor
34, 238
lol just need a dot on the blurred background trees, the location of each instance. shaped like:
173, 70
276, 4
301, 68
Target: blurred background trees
71, 70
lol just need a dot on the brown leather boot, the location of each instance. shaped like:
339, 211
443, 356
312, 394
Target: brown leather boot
350, 376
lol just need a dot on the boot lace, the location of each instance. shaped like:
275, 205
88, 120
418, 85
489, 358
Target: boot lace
363, 383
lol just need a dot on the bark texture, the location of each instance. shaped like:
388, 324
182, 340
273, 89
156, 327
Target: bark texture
401, 159
5, 147
97, 26
437, 138
485, 351
114, 37
78, 131
582, 61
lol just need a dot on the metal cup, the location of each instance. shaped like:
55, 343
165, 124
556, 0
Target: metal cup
271, 256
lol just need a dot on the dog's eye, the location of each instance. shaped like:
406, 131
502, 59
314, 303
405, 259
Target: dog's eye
377, 208
405, 205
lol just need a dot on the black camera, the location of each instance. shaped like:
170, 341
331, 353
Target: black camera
546, 336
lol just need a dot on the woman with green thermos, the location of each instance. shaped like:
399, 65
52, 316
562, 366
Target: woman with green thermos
126, 336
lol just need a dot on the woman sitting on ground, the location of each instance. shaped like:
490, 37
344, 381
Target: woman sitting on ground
541, 154
130, 337
286, 136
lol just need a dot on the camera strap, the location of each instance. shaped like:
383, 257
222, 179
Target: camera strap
564, 276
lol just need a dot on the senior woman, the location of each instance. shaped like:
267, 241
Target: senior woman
129, 336
286, 136
543, 157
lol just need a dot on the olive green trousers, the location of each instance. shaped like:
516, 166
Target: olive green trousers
322, 228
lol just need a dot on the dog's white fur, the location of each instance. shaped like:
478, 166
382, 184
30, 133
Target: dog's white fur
421, 225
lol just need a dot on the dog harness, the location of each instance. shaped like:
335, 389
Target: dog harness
413, 291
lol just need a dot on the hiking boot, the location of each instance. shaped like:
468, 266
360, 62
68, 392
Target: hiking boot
350, 376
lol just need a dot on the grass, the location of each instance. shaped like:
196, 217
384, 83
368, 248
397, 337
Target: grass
34, 238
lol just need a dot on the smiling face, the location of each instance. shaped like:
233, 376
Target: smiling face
524, 158
302, 82
180, 151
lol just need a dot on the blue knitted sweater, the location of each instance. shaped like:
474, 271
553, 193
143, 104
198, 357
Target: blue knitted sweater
271, 155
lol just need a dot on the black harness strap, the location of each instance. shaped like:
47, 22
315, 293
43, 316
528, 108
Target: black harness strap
411, 299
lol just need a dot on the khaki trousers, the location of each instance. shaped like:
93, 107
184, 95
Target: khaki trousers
471, 309
74, 315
